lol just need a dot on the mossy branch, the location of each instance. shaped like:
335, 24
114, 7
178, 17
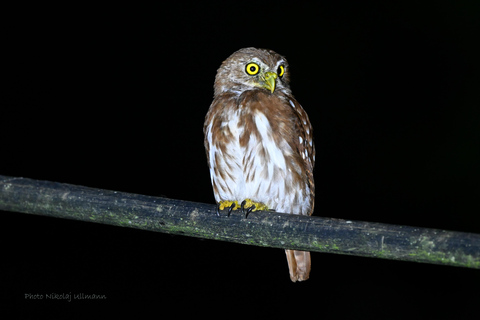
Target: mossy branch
267, 229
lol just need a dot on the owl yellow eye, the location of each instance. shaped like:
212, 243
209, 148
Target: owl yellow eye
281, 70
252, 68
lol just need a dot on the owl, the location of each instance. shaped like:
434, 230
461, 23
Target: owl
259, 143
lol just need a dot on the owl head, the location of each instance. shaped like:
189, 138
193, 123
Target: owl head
250, 69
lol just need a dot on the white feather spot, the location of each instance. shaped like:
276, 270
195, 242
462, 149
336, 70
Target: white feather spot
301, 140
265, 130
291, 103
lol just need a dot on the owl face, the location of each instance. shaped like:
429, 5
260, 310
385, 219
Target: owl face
251, 68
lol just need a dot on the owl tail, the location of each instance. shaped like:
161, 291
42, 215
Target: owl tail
298, 264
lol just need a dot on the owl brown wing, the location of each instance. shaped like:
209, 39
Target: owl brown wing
299, 262
306, 145
217, 138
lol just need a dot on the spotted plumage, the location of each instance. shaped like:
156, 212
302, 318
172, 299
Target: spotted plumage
259, 141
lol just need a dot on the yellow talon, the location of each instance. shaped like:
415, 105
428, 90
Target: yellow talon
227, 204
247, 203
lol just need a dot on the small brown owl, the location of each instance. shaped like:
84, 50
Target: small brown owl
259, 142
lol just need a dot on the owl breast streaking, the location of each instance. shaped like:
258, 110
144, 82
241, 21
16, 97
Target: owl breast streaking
259, 142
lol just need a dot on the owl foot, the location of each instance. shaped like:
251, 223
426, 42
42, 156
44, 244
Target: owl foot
248, 206
224, 204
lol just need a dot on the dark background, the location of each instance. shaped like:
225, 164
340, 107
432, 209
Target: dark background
114, 97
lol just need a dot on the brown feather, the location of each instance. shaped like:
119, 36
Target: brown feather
299, 264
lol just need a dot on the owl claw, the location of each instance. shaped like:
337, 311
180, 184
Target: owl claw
242, 206
227, 204
250, 209
231, 208
248, 205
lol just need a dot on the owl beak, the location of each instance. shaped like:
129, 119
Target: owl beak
269, 80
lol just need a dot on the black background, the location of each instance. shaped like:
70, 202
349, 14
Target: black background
115, 97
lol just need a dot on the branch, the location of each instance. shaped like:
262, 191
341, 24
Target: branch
266, 229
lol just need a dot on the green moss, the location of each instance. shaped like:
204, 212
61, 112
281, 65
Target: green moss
326, 247
457, 259
380, 254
